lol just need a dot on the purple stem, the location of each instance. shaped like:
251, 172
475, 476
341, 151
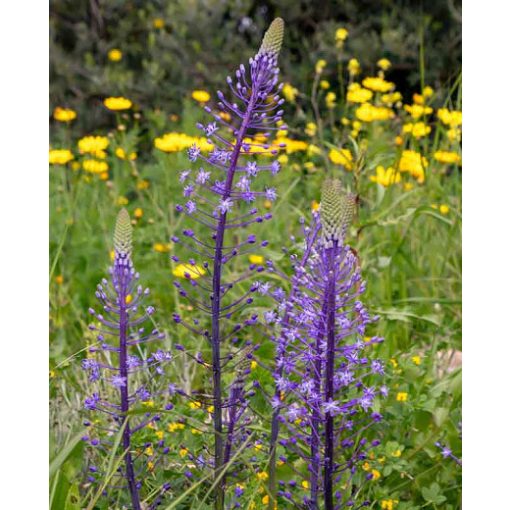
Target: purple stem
328, 383
216, 306
124, 393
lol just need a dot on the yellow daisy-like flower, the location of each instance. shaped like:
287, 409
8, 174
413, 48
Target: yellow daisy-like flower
115, 55
402, 396
386, 177
64, 114
417, 130
389, 504
195, 405
93, 144
353, 67
188, 271
95, 166
444, 209
417, 110
416, 360
176, 142
341, 34
447, 157
384, 64
305, 484
289, 92
121, 154
256, 259
311, 129
414, 163
320, 65
117, 103
60, 156
341, 157
330, 100
202, 96
324, 84
377, 84
452, 118
357, 94
161, 247
391, 98
138, 213
375, 474
369, 113
158, 23
262, 475
428, 91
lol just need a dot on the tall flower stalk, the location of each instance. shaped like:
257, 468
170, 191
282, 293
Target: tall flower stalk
239, 132
324, 396
122, 379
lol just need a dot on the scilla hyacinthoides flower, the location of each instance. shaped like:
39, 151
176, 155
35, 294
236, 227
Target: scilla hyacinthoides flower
325, 396
124, 375
219, 197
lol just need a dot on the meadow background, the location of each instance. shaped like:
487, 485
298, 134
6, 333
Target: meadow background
393, 140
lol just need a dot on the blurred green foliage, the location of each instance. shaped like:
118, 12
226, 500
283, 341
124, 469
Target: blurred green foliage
167, 47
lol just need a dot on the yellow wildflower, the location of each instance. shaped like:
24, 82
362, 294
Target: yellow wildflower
388, 504
418, 99
416, 360
268, 204
454, 134
305, 484
189, 271
64, 114
176, 142
195, 405
365, 466
115, 55
417, 110
183, 452
256, 259
150, 466
414, 163
324, 84
93, 144
311, 128
384, 64
129, 298
202, 96
159, 434
265, 500
315, 205
399, 140
408, 186
377, 84
330, 100
444, 209
289, 92
142, 184
60, 156
417, 130
283, 159
117, 103
95, 166
121, 154
158, 23
161, 247
451, 118
262, 475
341, 157
447, 157
357, 94
138, 213
353, 67
122, 201
428, 91
369, 113
320, 65
341, 34
396, 453
375, 474
385, 177
401, 396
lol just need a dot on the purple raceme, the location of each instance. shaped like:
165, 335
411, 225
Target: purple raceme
325, 396
125, 378
220, 198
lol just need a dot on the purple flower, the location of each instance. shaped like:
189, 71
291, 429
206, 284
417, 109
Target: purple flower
193, 153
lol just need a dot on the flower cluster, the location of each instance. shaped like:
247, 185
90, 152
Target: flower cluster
326, 393
123, 374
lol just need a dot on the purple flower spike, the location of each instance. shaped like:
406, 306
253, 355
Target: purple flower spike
225, 192
111, 366
321, 362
